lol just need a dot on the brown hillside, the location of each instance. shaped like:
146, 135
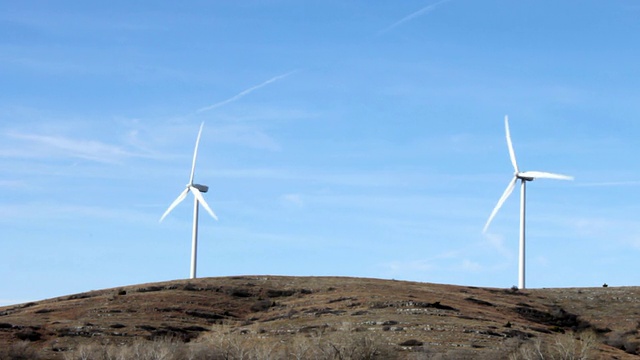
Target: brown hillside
415, 319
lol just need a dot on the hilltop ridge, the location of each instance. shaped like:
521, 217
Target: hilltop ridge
411, 318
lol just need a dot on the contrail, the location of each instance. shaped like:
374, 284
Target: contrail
245, 92
422, 11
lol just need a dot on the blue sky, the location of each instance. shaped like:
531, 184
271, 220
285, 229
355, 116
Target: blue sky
341, 138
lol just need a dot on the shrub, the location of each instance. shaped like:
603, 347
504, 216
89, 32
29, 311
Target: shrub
567, 346
246, 345
140, 350
19, 351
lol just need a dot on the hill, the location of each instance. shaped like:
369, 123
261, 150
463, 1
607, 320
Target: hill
298, 315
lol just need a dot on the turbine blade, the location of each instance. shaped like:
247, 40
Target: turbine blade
545, 175
175, 203
512, 153
200, 198
503, 198
195, 155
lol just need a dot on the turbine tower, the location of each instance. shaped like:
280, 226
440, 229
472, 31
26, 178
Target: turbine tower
197, 190
524, 177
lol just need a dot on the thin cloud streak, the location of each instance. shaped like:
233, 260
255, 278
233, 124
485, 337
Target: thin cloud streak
83, 149
412, 16
245, 92
610, 183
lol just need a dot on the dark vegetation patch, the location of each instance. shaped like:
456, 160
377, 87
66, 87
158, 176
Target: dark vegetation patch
168, 309
288, 315
28, 335
517, 334
323, 311
196, 328
146, 327
313, 328
5, 326
510, 291
435, 305
262, 305
43, 311
149, 289
380, 305
173, 333
479, 302
602, 330
191, 287
483, 332
543, 330
79, 331
411, 304
360, 312
274, 293
340, 299
205, 315
411, 342
239, 292
80, 296
557, 317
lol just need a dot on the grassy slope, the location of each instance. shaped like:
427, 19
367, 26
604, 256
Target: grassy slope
443, 317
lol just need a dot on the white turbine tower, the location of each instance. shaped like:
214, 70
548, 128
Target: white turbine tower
523, 177
197, 191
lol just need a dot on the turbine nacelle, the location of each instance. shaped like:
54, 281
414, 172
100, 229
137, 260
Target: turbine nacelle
524, 177
202, 188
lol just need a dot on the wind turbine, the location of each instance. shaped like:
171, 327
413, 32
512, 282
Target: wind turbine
524, 177
197, 190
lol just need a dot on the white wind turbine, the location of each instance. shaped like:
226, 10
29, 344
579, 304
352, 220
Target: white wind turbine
197, 191
523, 177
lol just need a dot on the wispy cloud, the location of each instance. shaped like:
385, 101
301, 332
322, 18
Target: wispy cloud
610, 183
245, 92
46, 212
292, 200
420, 265
412, 16
497, 242
401, 267
83, 149
468, 265
14, 184
245, 135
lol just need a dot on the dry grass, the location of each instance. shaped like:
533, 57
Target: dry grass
226, 346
